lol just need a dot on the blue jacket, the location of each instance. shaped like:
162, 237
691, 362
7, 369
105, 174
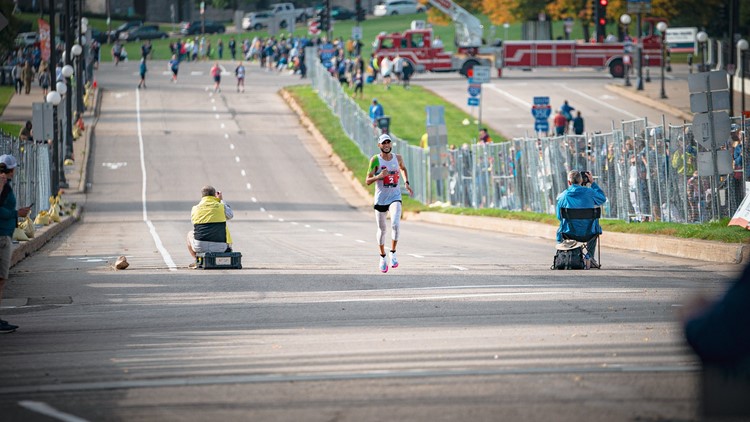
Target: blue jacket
376, 111
8, 214
577, 196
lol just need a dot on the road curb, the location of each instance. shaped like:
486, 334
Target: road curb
703, 250
650, 102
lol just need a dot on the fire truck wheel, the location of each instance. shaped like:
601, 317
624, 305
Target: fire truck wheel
616, 68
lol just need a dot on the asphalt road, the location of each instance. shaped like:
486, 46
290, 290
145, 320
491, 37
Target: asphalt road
472, 325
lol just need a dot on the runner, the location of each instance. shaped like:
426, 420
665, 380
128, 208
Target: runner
216, 74
174, 66
386, 169
239, 72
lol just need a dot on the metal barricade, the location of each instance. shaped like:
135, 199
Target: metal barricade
31, 181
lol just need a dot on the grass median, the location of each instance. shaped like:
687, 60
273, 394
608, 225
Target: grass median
329, 125
6, 93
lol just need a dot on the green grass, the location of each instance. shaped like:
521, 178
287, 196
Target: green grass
350, 154
6, 93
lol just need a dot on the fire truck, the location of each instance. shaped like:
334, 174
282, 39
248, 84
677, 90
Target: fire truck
418, 46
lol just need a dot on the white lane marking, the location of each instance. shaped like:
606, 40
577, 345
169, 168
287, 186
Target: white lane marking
459, 268
213, 100
47, 410
254, 199
438, 297
157, 240
270, 216
195, 73
360, 241
247, 185
415, 255
226, 136
114, 166
280, 220
338, 234
231, 146
598, 101
237, 159
262, 209
307, 226
217, 117
222, 126
513, 98
294, 223
214, 108
243, 173
322, 230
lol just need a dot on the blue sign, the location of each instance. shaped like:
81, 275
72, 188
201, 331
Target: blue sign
473, 101
327, 53
475, 89
541, 126
541, 108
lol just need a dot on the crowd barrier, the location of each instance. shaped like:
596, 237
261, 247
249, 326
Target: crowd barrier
648, 171
31, 180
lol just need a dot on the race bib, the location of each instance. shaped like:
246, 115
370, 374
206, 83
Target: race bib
391, 179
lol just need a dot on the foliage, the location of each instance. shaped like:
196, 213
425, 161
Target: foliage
8, 35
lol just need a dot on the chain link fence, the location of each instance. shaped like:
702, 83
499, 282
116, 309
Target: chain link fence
648, 171
31, 180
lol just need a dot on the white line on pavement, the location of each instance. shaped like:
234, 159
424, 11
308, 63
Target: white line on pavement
157, 240
459, 268
47, 410
247, 185
243, 173
231, 146
415, 255
598, 101
515, 99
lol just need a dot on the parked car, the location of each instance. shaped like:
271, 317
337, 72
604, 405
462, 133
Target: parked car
115, 33
143, 32
256, 20
339, 13
98, 36
398, 7
25, 39
207, 27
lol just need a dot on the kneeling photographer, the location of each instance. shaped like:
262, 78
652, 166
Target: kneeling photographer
582, 193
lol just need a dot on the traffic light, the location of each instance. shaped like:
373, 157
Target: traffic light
360, 11
325, 19
600, 18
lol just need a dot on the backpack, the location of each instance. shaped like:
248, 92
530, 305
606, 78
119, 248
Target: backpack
571, 259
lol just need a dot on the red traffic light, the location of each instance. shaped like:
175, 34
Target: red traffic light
602, 21
603, 3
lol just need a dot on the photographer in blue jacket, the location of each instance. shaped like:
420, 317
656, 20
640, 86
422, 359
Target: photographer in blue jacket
582, 193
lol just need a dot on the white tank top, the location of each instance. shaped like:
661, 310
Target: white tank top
387, 190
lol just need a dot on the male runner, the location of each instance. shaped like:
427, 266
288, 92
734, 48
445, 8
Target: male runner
385, 170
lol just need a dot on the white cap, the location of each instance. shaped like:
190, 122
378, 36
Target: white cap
9, 161
384, 137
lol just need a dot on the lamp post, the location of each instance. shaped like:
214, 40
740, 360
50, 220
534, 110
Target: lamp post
625, 21
702, 37
662, 27
742, 46
53, 97
639, 86
76, 50
67, 73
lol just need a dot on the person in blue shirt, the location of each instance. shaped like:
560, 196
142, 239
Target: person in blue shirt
579, 196
143, 69
567, 111
376, 111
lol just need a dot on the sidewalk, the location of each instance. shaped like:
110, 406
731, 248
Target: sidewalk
676, 89
18, 111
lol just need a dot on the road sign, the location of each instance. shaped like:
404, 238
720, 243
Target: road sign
639, 6
475, 89
357, 32
702, 128
541, 108
699, 101
42, 118
473, 101
699, 82
313, 27
541, 126
481, 75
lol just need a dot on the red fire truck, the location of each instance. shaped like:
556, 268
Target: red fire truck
417, 45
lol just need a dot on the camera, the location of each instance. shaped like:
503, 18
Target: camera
584, 177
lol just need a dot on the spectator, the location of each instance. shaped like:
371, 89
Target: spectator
26, 133
376, 112
142, 69
28, 76
578, 124
17, 73
484, 137
8, 220
44, 79
561, 124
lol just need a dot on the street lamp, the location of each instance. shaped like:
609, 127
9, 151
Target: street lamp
67, 73
662, 27
702, 37
75, 52
625, 20
742, 46
54, 98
